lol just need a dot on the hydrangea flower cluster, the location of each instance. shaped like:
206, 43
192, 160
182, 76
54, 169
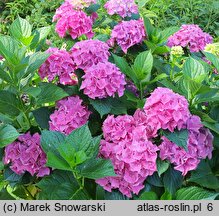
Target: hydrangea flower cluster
190, 36
167, 110
26, 154
59, 64
176, 51
70, 114
199, 147
132, 154
121, 7
88, 53
102, 80
128, 33
74, 22
80, 4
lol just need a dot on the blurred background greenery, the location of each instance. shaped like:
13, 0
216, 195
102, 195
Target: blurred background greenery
164, 13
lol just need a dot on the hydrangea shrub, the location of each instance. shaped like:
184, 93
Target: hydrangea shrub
115, 108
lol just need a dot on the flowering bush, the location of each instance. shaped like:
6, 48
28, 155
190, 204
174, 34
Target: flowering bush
114, 108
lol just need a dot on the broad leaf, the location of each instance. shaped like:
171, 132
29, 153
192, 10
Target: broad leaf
180, 138
194, 70
42, 117
162, 166
10, 105
123, 65
79, 138
204, 176
143, 65
172, 180
21, 30
50, 93
8, 134
195, 193
96, 168
62, 185
51, 140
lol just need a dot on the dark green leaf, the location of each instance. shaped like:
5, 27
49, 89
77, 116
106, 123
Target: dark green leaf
42, 117
172, 180
8, 134
60, 185
155, 180
9, 104
180, 138
114, 195
51, 140
12, 177
123, 65
204, 176
102, 106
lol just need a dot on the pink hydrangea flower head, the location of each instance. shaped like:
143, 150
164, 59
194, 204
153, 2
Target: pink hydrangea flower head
69, 115
64, 9
88, 53
119, 128
200, 146
75, 23
170, 110
151, 125
190, 36
132, 154
80, 4
121, 7
128, 33
59, 64
103, 80
26, 154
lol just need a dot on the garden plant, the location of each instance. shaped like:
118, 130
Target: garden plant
99, 100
